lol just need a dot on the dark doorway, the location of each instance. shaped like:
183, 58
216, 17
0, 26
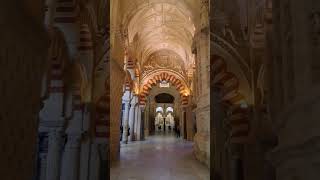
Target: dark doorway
164, 98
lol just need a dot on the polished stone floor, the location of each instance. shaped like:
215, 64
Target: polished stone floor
159, 157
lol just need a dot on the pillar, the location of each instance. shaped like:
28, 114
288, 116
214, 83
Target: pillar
67, 20
71, 155
236, 168
50, 11
142, 123
189, 123
54, 155
296, 120
183, 127
136, 117
42, 155
138, 128
131, 118
125, 122
218, 136
94, 169
71, 158
84, 159
42, 166
146, 116
85, 52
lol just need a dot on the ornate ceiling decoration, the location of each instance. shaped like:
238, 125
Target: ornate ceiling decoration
158, 25
164, 59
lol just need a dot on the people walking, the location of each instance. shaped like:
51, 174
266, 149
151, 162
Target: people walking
178, 132
121, 131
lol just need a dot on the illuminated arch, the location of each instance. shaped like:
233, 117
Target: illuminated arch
159, 109
169, 109
156, 78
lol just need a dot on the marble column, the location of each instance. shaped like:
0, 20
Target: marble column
94, 162
71, 155
125, 122
67, 19
131, 118
54, 154
236, 168
71, 158
136, 117
50, 11
42, 166
142, 123
138, 128
218, 126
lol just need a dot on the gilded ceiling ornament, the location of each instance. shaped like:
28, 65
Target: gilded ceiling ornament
165, 60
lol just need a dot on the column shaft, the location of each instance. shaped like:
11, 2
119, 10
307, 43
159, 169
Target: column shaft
54, 156
125, 123
131, 122
136, 122
71, 158
138, 128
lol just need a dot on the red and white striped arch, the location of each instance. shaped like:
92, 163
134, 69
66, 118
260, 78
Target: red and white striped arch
229, 88
128, 82
155, 78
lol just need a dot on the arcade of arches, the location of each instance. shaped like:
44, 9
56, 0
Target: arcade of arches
62, 75
162, 50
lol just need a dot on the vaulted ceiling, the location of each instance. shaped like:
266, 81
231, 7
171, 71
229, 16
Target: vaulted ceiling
153, 26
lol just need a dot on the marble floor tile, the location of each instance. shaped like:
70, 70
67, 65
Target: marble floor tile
159, 157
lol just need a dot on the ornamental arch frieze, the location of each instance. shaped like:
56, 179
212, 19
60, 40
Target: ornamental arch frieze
154, 79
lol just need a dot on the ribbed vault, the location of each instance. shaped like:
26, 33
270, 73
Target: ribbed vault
156, 26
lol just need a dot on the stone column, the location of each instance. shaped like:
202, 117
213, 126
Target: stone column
71, 158
131, 118
85, 51
54, 154
296, 121
50, 11
84, 159
42, 156
235, 160
142, 123
43, 166
94, 162
68, 21
136, 117
202, 137
125, 122
138, 128
218, 128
